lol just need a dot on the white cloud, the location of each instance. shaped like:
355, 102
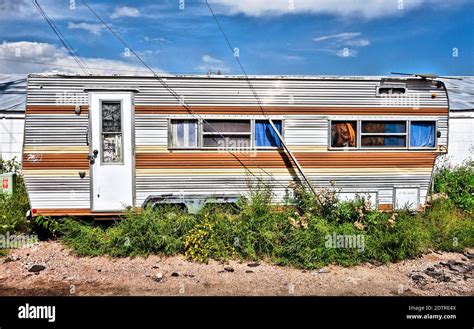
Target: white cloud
360, 8
125, 12
92, 28
342, 44
339, 36
214, 64
155, 39
127, 54
294, 58
23, 56
13, 10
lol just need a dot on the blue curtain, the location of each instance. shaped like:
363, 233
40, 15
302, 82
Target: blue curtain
395, 127
265, 135
394, 141
422, 134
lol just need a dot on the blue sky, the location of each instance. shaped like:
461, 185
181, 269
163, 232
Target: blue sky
348, 37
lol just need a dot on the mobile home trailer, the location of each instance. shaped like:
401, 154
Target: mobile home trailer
94, 145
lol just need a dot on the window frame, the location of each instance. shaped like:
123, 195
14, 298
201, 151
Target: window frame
365, 148
378, 94
200, 133
435, 147
360, 134
268, 147
343, 147
170, 134
102, 162
249, 133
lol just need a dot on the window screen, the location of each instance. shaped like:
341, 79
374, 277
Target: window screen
383, 134
422, 134
227, 133
183, 133
344, 134
112, 138
265, 135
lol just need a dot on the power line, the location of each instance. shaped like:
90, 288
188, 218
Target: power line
61, 37
176, 96
300, 169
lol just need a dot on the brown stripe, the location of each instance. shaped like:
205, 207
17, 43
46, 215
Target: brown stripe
275, 159
43, 161
55, 109
385, 207
255, 110
74, 212
281, 160
81, 212
249, 110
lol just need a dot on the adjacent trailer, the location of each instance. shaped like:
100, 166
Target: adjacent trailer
95, 145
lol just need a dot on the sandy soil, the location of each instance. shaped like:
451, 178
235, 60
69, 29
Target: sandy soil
67, 274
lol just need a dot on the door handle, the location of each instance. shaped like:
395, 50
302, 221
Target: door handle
93, 156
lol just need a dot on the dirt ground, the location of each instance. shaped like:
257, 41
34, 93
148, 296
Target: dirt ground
433, 274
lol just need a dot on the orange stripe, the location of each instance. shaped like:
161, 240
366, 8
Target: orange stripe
250, 110
273, 159
80, 212
55, 161
55, 109
281, 160
385, 207
273, 110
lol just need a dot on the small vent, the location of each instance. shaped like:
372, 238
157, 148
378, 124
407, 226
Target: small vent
391, 90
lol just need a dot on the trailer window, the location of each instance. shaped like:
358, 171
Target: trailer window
422, 134
343, 134
112, 151
383, 134
183, 133
265, 135
226, 133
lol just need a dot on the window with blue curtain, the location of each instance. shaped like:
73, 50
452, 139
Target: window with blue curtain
422, 134
265, 136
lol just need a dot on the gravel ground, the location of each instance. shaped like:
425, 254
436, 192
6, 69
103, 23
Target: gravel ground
67, 274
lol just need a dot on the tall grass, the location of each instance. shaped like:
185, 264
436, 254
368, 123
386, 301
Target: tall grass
457, 183
295, 235
13, 207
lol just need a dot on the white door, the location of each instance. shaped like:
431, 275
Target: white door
111, 151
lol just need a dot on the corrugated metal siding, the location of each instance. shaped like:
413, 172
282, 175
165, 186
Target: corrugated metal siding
58, 192
56, 129
53, 90
56, 138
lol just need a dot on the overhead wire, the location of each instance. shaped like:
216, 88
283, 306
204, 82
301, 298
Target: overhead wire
181, 100
257, 98
61, 38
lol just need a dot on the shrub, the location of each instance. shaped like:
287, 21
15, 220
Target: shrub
301, 234
450, 228
151, 232
13, 207
458, 184
399, 236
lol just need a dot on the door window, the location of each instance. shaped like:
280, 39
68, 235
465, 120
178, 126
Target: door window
111, 133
